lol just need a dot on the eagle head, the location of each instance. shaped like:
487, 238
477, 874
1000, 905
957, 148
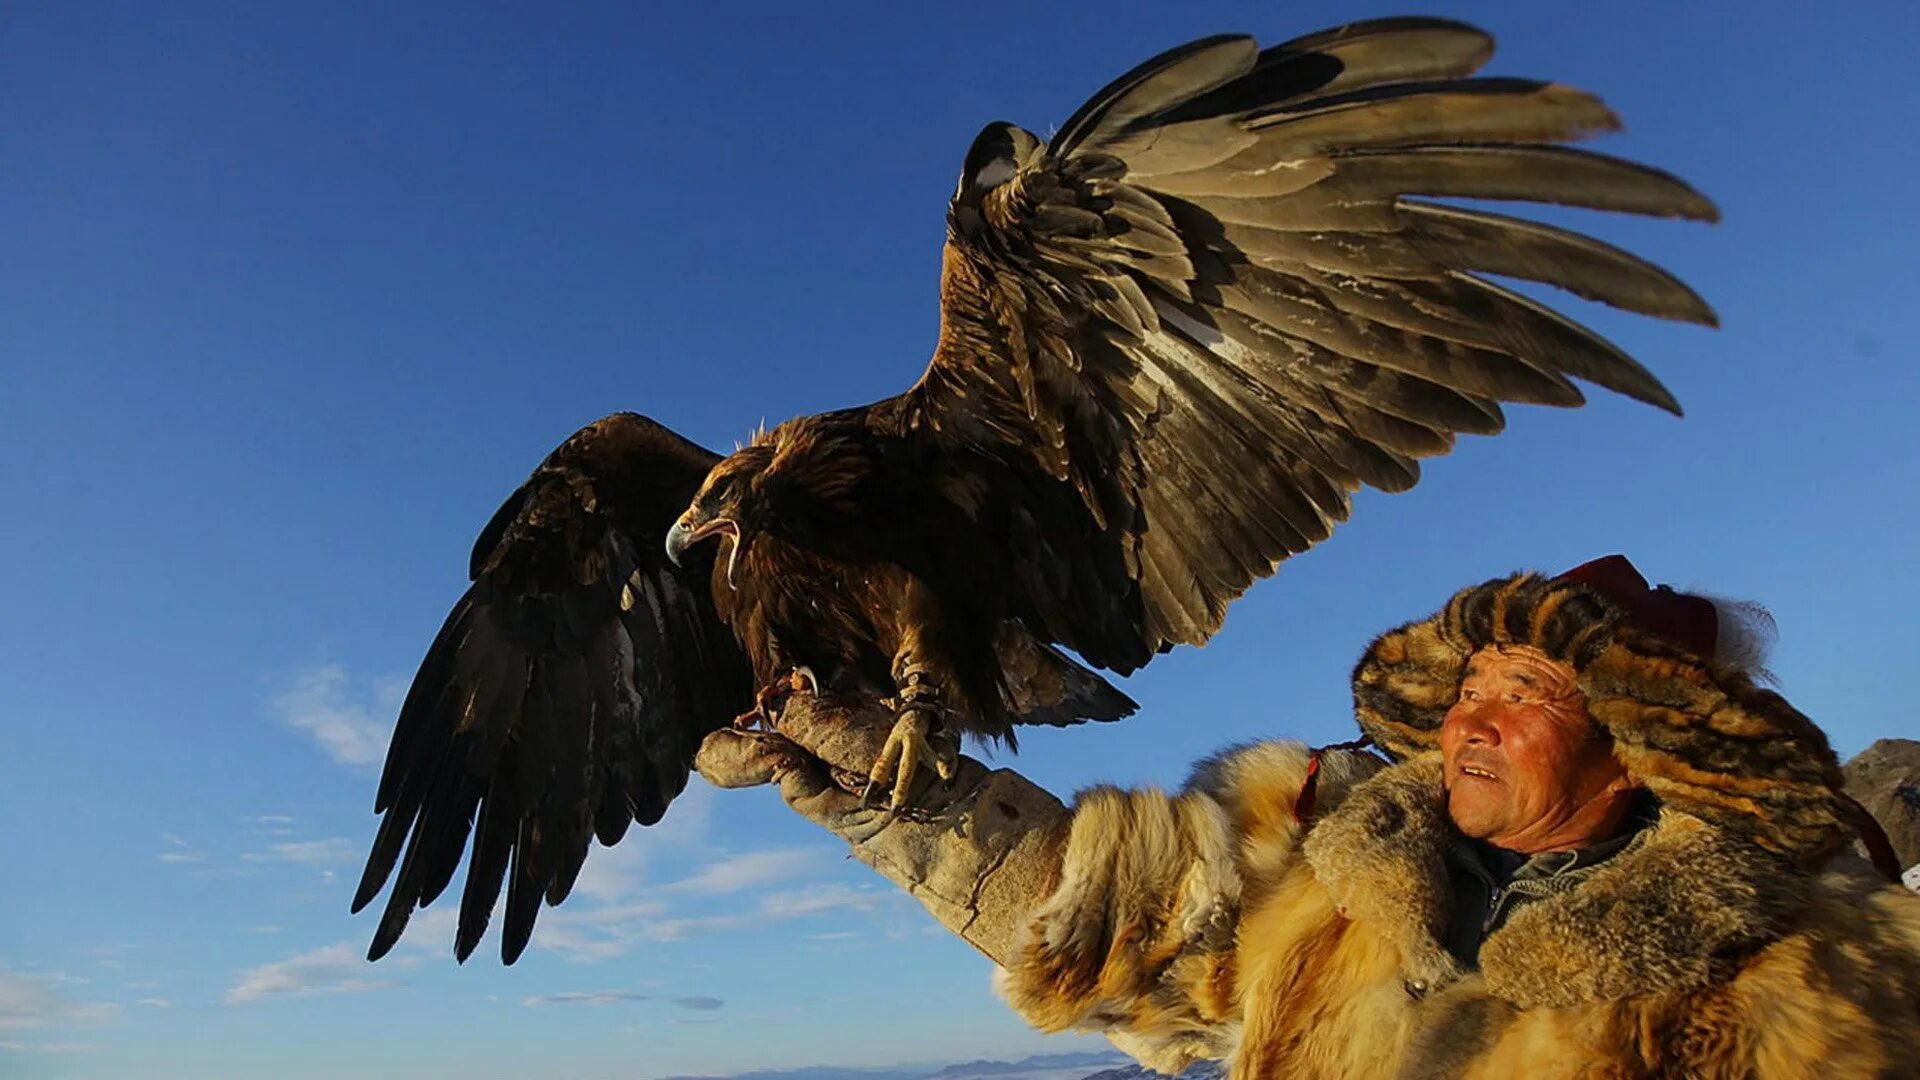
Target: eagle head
723, 506
802, 479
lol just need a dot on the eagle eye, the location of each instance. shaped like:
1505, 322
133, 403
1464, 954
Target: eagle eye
721, 487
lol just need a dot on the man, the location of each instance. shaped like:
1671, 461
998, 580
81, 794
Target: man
1596, 851
1531, 785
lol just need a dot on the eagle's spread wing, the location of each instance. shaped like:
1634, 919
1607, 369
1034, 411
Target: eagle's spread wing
566, 694
1177, 336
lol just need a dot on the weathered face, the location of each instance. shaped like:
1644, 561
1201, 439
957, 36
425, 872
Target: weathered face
1526, 768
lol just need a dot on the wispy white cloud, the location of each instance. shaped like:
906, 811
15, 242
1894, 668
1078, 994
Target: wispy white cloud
611, 875
341, 968
178, 850
155, 1002
326, 852
350, 723
614, 915
430, 932
269, 824
621, 918
330, 969
586, 997
748, 870
617, 997
602, 933
815, 899
47, 1047
614, 875
597, 933
28, 1001
108, 954
679, 928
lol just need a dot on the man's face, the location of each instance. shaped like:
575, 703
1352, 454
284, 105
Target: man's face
1526, 768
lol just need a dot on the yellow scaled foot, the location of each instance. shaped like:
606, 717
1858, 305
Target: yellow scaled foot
918, 741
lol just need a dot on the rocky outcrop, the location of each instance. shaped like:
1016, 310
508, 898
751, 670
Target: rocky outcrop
1885, 777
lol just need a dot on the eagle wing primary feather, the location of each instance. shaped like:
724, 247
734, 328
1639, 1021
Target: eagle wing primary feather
1176, 338
566, 694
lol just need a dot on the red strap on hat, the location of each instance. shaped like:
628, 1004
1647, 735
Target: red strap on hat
1879, 848
1303, 803
1688, 621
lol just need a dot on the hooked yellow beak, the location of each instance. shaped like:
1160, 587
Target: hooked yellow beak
684, 535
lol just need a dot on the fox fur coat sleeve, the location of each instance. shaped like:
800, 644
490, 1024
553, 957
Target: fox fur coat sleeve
1142, 938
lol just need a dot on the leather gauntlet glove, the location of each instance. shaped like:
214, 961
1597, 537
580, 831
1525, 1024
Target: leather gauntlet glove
978, 852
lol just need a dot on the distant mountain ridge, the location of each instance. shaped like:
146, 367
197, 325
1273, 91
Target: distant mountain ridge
810, 1072
1028, 1065
1206, 1070
1082, 1065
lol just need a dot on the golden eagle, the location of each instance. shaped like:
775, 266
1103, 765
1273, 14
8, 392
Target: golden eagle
1175, 338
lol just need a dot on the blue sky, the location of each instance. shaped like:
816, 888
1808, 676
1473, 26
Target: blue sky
289, 302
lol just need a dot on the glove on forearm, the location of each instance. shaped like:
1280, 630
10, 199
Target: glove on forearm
979, 854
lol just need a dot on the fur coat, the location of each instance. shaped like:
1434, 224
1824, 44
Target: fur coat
1738, 937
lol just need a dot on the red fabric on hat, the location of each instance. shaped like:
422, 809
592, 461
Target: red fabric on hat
1681, 618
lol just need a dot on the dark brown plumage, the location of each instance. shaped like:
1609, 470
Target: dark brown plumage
566, 693
1175, 338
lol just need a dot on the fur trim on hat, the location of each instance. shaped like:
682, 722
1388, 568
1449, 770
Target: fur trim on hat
1747, 634
1700, 735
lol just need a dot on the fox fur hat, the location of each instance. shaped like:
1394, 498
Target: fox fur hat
1695, 730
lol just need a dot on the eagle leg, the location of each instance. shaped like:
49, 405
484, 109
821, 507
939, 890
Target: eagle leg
765, 709
920, 739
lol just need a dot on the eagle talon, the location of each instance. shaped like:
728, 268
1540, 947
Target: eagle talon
767, 700
918, 741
